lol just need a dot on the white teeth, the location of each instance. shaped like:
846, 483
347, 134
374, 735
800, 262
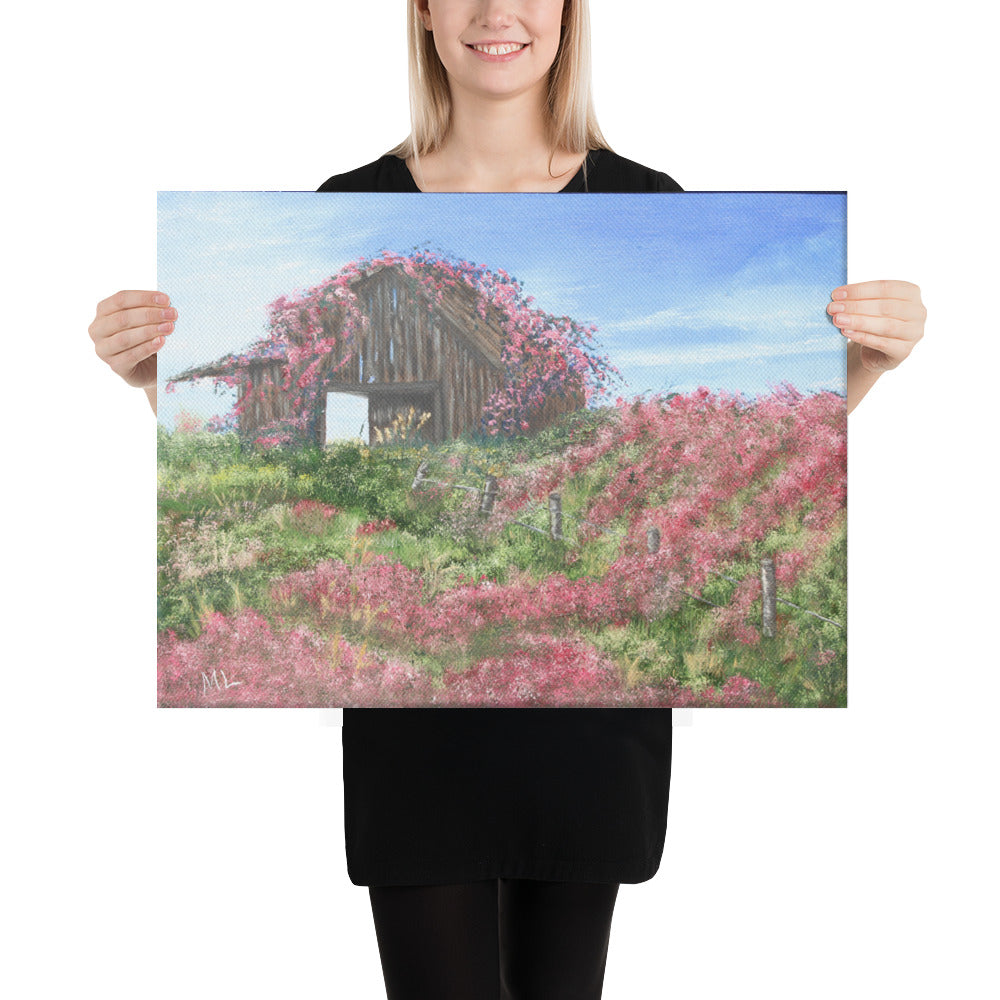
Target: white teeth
498, 50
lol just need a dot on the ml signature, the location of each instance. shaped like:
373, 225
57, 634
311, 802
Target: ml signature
208, 683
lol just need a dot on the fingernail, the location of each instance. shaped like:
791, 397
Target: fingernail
835, 307
160, 299
840, 293
165, 327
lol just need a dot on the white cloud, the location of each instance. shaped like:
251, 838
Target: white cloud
722, 353
714, 319
790, 307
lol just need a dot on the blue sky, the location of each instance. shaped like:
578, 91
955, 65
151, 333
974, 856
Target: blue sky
727, 290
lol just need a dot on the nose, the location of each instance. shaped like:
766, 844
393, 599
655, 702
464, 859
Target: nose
496, 14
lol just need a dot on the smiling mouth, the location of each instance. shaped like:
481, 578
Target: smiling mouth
500, 50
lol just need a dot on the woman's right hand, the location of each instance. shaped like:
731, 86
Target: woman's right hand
128, 330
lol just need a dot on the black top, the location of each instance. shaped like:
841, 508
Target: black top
440, 795
607, 173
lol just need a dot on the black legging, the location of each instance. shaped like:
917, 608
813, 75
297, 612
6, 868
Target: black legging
499, 939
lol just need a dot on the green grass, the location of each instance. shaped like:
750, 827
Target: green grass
241, 502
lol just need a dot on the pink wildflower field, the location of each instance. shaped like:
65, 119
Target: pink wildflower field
601, 620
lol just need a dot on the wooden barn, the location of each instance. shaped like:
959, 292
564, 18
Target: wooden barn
446, 362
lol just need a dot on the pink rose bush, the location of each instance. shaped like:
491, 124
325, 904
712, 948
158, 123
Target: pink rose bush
314, 333
313, 517
376, 527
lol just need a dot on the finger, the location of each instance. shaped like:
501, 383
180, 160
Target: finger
124, 362
114, 345
878, 290
903, 309
131, 319
130, 300
882, 326
890, 346
879, 325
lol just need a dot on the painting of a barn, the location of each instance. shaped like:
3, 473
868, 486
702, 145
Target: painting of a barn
445, 360
631, 493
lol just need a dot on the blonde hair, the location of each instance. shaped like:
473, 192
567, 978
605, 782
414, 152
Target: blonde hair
572, 123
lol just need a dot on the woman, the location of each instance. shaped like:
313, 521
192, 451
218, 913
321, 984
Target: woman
493, 841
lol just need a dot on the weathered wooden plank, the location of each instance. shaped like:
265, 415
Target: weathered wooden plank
395, 366
470, 391
438, 420
485, 343
652, 540
372, 362
402, 325
555, 516
449, 381
401, 388
383, 330
377, 345
407, 346
418, 344
419, 352
463, 369
768, 594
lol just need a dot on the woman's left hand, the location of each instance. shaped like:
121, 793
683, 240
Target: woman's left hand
886, 318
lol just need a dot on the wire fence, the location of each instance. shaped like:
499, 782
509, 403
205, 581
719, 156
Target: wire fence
489, 492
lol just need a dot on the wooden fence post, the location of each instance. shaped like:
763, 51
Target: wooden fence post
652, 540
768, 598
421, 475
555, 516
652, 547
489, 495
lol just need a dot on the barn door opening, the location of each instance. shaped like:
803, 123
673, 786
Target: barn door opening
346, 417
389, 407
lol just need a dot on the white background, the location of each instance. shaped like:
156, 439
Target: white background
821, 854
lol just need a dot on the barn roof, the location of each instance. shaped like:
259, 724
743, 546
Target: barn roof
228, 364
457, 302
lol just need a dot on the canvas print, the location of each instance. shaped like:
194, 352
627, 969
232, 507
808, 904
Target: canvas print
518, 450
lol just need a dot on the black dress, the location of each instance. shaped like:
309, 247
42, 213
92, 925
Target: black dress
442, 795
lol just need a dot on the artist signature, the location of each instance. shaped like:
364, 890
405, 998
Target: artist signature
210, 683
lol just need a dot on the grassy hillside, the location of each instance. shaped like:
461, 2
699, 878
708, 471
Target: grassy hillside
321, 577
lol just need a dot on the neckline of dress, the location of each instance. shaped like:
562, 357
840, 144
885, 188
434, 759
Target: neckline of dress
575, 183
